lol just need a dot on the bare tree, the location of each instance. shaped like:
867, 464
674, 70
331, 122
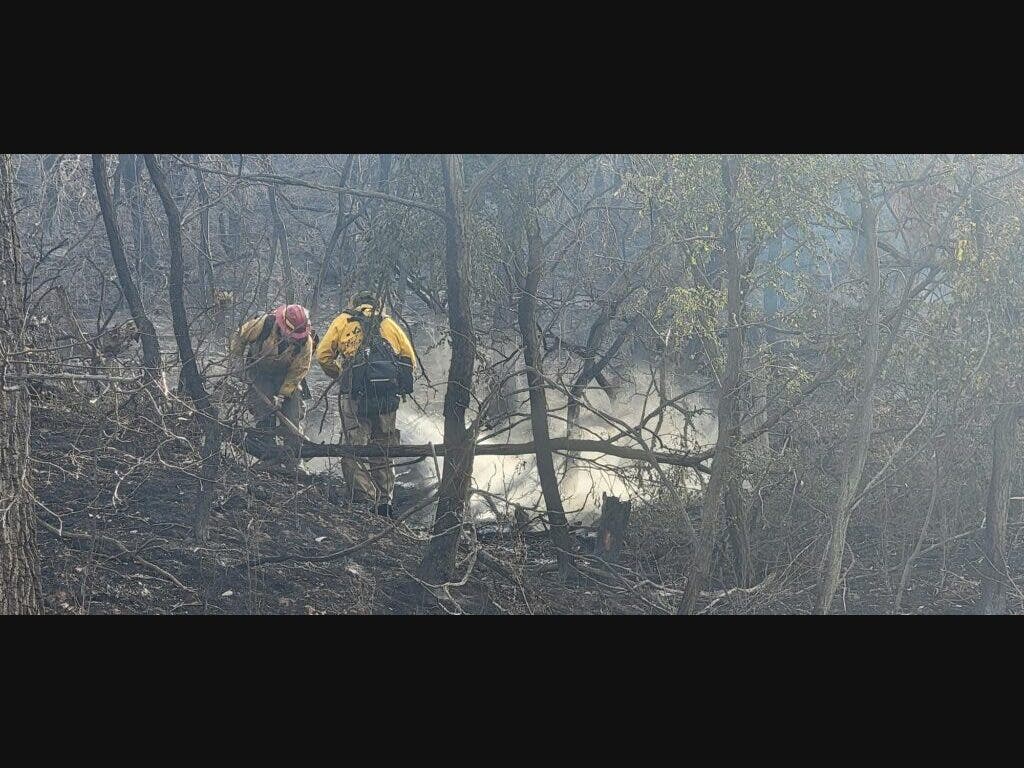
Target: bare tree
134, 196
341, 224
439, 561
205, 255
281, 238
527, 313
20, 591
151, 357
208, 415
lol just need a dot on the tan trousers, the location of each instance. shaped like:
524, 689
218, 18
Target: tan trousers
369, 479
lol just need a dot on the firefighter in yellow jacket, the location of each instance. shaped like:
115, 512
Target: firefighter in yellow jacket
367, 413
280, 348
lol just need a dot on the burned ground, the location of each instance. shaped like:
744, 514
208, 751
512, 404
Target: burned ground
115, 536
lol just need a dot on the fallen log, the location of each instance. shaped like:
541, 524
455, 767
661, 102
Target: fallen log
311, 450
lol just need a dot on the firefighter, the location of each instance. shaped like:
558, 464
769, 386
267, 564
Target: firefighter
374, 360
277, 347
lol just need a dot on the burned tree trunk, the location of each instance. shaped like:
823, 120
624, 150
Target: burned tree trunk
527, 311
439, 561
592, 365
230, 227
858, 435
151, 357
310, 450
193, 382
205, 256
341, 223
394, 270
131, 182
722, 484
263, 291
611, 528
740, 534
282, 243
20, 591
994, 574
51, 182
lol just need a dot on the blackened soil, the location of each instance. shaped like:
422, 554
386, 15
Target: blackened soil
116, 500
116, 490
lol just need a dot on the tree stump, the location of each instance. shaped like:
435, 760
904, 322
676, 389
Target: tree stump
611, 528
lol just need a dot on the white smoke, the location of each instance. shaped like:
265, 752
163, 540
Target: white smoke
513, 480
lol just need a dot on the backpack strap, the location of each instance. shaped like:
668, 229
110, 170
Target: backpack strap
265, 331
369, 326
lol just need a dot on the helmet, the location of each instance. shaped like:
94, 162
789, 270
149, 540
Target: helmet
364, 297
293, 321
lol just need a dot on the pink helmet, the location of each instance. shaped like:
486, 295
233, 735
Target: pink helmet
292, 321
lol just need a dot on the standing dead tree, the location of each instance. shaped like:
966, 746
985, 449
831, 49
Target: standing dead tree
20, 591
342, 221
151, 358
281, 238
439, 561
134, 198
529, 281
205, 255
593, 361
193, 382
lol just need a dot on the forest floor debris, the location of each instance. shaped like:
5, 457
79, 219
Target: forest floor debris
114, 505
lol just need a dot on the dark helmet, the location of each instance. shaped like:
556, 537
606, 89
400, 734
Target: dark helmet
365, 297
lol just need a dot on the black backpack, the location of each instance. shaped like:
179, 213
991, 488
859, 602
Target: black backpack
378, 375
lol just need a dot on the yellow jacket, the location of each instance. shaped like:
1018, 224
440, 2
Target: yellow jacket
272, 356
344, 336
